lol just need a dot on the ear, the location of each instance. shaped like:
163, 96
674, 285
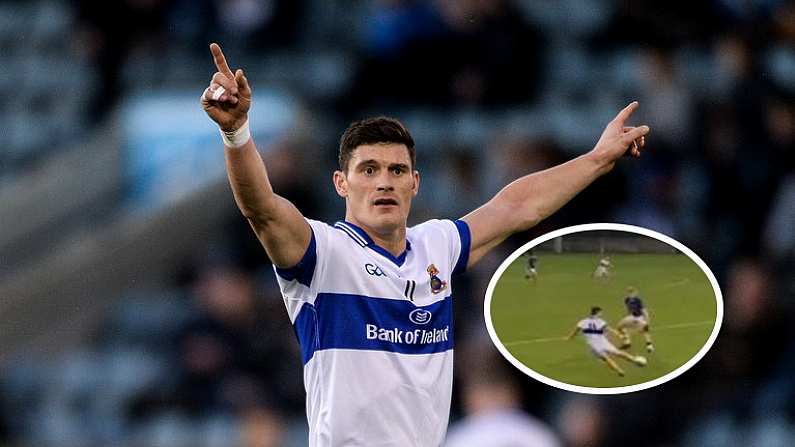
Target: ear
340, 183
416, 187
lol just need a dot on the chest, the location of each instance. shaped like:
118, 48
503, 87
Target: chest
422, 278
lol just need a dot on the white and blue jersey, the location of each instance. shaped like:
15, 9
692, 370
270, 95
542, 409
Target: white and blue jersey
376, 333
593, 329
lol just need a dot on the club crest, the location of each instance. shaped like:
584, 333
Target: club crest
437, 285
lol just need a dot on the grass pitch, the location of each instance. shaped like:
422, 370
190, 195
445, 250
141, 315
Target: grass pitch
531, 317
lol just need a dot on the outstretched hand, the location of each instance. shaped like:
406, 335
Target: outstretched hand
618, 139
228, 97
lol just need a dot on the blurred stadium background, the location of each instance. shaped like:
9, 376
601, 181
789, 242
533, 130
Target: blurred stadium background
137, 309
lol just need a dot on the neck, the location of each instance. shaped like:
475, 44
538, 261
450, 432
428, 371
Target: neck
391, 240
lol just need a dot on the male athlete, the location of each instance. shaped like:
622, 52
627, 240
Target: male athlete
593, 329
637, 319
603, 268
530, 271
369, 298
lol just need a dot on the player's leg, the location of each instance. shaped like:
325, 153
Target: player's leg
626, 342
636, 359
613, 365
647, 336
623, 329
601, 350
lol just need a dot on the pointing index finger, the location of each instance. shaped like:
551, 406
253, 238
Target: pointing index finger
624, 114
220, 61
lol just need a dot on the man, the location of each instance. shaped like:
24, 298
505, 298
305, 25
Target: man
637, 319
603, 269
530, 272
593, 329
491, 400
370, 299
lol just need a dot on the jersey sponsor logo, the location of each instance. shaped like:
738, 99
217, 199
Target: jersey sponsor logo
347, 321
374, 270
437, 285
420, 316
407, 337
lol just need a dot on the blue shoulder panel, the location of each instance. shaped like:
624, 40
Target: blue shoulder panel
305, 269
466, 241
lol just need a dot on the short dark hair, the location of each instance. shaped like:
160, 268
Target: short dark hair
376, 130
595, 310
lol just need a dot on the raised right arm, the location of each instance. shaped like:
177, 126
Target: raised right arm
279, 226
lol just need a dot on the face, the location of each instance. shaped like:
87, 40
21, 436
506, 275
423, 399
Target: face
378, 187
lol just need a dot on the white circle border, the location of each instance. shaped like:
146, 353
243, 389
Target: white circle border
603, 390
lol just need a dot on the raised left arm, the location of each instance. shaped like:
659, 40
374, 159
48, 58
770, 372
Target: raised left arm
532, 198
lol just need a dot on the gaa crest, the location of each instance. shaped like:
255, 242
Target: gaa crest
437, 285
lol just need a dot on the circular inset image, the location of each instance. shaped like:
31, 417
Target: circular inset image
603, 308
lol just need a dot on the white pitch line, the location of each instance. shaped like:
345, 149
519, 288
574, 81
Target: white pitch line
654, 329
535, 340
681, 325
681, 282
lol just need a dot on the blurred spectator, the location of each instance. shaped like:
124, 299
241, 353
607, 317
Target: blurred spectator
110, 32
667, 102
284, 159
650, 23
739, 164
780, 127
581, 421
753, 337
113, 32
262, 427
394, 24
742, 12
227, 359
749, 396
753, 319
454, 52
651, 192
242, 25
779, 236
492, 404
510, 156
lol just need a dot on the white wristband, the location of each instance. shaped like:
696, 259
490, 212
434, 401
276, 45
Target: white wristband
238, 137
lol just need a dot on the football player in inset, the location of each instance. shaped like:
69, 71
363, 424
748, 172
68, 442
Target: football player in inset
637, 320
593, 329
603, 269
